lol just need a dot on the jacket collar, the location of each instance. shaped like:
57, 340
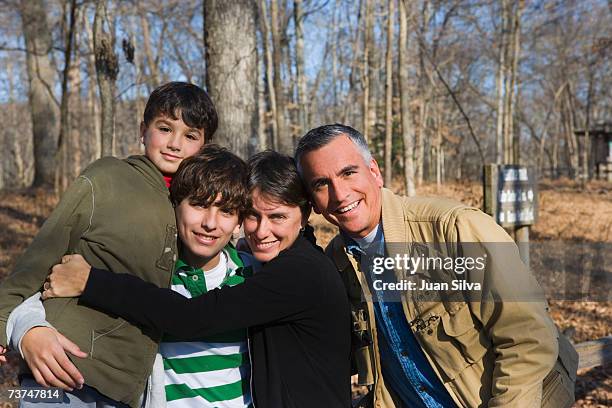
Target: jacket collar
393, 217
151, 173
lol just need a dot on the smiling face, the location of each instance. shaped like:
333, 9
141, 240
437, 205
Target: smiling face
344, 188
204, 231
169, 141
271, 227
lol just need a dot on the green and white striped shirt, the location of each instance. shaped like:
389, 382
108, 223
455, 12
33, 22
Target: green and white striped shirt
215, 371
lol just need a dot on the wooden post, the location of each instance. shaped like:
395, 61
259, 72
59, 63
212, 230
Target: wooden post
515, 191
491, 177
522, 241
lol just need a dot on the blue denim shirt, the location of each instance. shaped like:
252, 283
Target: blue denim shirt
404, 366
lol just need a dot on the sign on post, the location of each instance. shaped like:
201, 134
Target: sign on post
510, 195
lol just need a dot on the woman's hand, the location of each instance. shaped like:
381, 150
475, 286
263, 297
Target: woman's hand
67, 279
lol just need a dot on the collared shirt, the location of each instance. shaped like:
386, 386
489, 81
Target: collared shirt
211, 371
404, 365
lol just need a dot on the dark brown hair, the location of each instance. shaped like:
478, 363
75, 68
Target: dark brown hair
276, 176
188, 100
212, 172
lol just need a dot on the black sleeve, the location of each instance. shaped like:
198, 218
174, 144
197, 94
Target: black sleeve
281, 291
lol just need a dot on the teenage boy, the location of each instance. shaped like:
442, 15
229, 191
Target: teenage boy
209, 196
118, 215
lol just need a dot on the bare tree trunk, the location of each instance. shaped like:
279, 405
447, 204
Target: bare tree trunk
312, 103
507, 132
389, 97
292, 118
373, 71
352, 76
511, 154
407, 127
107, 68
285, 142
76, 112
4, 136
424, 92
231, 74
419, 159
334, 52
438, 169
62, 175
298, 17
365, 71
12, 168
92, 99
459, 157
153, 77
269, 67
442, 166
587, 127
501, 80
438, 146
367, 67
261, 106
554, 165
41, 77
516, 131
570, 136
541, 151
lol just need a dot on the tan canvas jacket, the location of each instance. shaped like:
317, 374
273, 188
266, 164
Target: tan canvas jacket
486, 353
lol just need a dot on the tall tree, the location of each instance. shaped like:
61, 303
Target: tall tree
269, 67
107, 68
41, 76
368, 52
389, 96
64, 146
93, 105
285, 141
13, 168
153, 77
407, 126
501, 81
231, 71
298, 18
424, 92
510, 152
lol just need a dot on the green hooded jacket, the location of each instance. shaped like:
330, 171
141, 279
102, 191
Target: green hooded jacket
118, 215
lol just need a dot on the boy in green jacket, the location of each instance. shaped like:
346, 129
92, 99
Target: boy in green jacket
117, 215
210, 196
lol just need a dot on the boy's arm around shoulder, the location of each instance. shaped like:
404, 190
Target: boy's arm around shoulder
521, 332
62, 230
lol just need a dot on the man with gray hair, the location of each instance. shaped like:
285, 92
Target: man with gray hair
412, 348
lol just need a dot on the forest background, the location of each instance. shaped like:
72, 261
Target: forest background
438, 87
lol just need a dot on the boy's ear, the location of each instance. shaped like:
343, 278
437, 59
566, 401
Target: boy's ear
237, 229
143, 130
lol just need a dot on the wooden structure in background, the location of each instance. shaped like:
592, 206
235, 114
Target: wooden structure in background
600, 162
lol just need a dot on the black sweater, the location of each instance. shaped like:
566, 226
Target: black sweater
296, 310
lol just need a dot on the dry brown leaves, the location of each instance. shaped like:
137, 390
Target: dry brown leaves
567, 212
